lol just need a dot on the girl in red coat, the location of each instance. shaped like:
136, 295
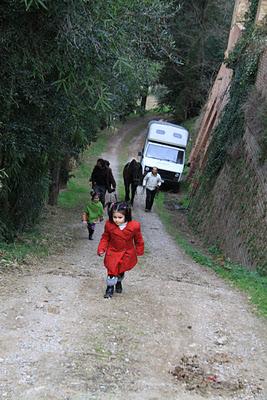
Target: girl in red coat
122, 242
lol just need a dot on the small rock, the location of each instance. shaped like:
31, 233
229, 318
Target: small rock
53, 309
221, 341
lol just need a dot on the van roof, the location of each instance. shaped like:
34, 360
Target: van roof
161, 122
165, 132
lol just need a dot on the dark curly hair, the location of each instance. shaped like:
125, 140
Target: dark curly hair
121, 207
94, 194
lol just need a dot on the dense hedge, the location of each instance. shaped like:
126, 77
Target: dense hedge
68, 68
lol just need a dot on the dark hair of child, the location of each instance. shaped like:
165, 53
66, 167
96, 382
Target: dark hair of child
121, 207
94, 194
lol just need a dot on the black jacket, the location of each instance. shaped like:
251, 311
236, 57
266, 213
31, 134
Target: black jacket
100, 176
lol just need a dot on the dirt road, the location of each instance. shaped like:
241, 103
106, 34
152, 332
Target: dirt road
177, 332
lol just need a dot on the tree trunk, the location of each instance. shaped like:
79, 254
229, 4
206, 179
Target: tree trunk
54, 184
64, 172
143, 99
143, 103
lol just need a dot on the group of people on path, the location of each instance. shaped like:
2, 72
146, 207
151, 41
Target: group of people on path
122, 240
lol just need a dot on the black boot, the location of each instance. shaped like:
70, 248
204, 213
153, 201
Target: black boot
109, 292
118, 287
91, 232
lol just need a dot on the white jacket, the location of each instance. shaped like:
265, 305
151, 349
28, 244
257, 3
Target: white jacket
151, 181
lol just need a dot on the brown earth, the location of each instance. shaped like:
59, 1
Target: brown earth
176, 332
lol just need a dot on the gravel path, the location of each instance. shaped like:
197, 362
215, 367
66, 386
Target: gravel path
176, 332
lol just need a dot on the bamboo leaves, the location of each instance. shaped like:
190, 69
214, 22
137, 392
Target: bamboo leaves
36, 3
68, 67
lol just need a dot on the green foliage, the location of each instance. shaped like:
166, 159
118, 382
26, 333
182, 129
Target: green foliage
68, 68
35, 3
200, 30
35, 243
161, 109
74, 195
185, 201
263, 141
251, 282
78, 188
31, 243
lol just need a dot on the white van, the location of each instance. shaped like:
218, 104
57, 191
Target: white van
164, 148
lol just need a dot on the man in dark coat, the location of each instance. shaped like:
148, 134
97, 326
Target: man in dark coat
111, 183
102, 179
99, 179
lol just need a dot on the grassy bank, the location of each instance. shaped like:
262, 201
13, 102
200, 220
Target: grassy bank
78, 187
31, 243
42, 240
250, 282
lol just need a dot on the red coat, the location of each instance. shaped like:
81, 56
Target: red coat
121, 247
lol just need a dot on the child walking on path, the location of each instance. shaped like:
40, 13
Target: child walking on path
122, 242
94, 213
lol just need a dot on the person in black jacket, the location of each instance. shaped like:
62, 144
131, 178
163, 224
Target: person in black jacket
102, 179
111, 183
99, 179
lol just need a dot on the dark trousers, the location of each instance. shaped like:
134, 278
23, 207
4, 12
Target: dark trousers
150, 195
91, 228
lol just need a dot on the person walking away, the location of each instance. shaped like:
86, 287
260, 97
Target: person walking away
121, 243
93, 214
152, 181
99, 179
111, 183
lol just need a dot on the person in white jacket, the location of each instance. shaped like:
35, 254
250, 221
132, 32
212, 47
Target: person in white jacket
151, 182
